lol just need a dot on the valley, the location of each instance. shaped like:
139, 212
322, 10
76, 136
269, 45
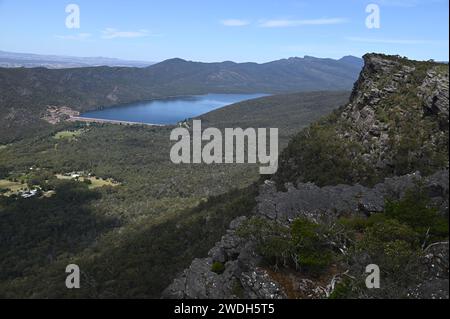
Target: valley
125, 211
157, 209
277, 155
27, 95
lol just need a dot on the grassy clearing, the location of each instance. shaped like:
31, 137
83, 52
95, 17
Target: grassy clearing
99, 182
95, 182
68, 135
13, 187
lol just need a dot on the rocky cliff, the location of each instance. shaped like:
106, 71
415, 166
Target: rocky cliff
396, 123
385, 211
244, 275
398, 108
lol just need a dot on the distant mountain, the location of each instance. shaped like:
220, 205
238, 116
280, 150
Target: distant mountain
286, 75
26, 93
28, 60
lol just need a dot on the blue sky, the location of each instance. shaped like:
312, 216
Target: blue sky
218, 30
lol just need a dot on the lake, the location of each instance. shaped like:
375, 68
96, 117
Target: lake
169, 111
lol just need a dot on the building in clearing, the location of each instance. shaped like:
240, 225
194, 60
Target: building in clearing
29, 194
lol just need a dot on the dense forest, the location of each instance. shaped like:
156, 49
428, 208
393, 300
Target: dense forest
132, 220
27, 93
132, 237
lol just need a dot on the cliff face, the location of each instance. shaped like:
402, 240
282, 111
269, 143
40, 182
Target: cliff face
395, 125
398, 115
245, 276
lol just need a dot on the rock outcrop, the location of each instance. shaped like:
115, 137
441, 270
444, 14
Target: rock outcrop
331, 202
392, 99
395, 125
242, 278
434, 93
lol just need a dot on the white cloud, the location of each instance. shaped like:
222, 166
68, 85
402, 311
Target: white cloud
283, 23
394, 41
235, 23
112, 33
78, 36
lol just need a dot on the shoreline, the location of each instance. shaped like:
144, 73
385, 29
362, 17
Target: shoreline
103, 121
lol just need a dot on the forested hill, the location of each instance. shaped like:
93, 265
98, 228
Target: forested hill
26, 93
85, 88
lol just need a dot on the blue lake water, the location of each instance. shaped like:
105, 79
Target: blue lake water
169, 111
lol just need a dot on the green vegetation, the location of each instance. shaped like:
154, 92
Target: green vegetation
92, 182
35, 232
415, 211
160, 217
394, 240
10, 187
338, 149
312, 252
130, 240
273, 241
288, 112
319, 155
70, 135
132, 261
342, 290
301, 245
95, 87
218, 267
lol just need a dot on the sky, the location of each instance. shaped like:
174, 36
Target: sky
221, 30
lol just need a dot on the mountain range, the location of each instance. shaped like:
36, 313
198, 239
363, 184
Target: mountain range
30, 60
361, 181
28, 92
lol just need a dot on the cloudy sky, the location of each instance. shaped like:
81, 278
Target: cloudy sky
215, 30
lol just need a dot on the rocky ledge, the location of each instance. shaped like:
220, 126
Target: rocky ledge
243, 278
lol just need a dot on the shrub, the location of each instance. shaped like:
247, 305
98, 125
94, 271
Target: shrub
358, 224
218, 267
391, 245
311, 251
342, 290
314, 262
273, 240
414, 210
385, 230
303, 244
